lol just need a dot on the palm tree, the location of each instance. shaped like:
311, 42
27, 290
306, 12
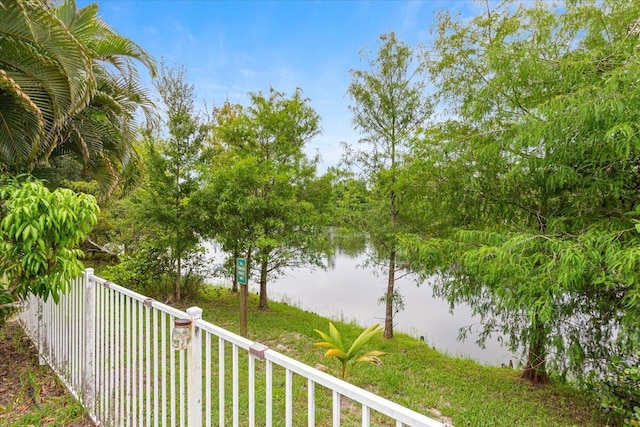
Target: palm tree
40, 119
103, 134
46, 77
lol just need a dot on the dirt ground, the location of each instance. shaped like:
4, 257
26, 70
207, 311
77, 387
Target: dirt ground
30, 394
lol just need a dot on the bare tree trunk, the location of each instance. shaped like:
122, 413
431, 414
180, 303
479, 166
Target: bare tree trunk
234, 284
176, 293
388, 317
264, 302
535, 368
244, 296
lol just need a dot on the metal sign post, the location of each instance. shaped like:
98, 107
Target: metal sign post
241, 271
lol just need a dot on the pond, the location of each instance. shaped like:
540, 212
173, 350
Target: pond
348, 292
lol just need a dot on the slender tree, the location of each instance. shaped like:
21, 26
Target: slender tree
171, 166
388, 108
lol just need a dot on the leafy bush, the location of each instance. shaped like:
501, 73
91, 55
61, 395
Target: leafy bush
148, 269
620, 391
40, 232
143, 270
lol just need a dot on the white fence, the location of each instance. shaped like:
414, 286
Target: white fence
113, 349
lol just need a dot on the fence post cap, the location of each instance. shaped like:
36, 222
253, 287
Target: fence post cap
194, 312
257, 349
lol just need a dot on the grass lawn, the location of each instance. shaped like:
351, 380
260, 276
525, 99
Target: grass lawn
414, 375
459, 391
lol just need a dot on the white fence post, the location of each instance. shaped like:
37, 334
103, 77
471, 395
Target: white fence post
88, 374
194, 369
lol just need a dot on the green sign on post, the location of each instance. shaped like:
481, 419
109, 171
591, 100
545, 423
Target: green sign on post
241, 271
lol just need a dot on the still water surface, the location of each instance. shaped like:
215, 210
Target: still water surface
350, 293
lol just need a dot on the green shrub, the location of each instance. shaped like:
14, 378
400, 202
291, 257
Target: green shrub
148, 270
620, 391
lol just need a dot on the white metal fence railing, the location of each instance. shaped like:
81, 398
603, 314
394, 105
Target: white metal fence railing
113, 349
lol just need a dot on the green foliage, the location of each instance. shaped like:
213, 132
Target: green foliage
261, 197
40, 232
41, 65
348, 357
525, 194
148, 269
164, 207
620, 390
389, 107
69, 86
144, 270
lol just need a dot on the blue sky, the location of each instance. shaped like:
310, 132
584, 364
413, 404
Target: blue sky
232, 48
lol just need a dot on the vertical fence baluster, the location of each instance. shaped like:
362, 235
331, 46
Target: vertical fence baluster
172, 382
181, 375
147, 322
78, 336
141, 410
235, 387
194, 365
134, 359
128, 362
252, 390
88, 374
207, 379
336, 409
117, 410
122, 358
311, 403
269, 393
73, 317
288, 397
64, 333
221, 375
108, 356
156, 404
366, 416
44, 351
98, 366
163, 364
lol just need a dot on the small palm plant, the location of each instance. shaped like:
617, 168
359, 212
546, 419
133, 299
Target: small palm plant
348, 358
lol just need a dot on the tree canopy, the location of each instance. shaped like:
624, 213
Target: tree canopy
261, 195
535, 178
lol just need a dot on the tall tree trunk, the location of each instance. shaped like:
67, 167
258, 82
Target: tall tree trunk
176, 292
535, 368
264, 302
234, 284
388, 317
391, 278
